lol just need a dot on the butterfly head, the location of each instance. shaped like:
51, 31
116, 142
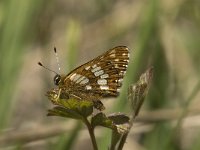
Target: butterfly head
57, 78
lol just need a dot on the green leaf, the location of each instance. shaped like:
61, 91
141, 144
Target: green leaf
64, 112
119, 118
83, 107
100, 119
117, 121
121, 122
72, 108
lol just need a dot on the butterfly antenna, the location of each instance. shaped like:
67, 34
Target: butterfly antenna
40, 64
57, 60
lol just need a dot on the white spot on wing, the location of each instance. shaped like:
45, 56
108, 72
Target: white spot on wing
113, 51
116, 66
87, 68
126, 60
104, 76
120, 80
122, 73
88, 87
98, 73
86, 80
116, 60
104, 87
80, 79
102, 81
112, 55
72, 76
96, 69
94, 66
76, 77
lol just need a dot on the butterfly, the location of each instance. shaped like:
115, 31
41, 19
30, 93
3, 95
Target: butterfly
99, 78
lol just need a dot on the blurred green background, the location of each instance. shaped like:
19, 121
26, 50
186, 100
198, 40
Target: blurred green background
164, 34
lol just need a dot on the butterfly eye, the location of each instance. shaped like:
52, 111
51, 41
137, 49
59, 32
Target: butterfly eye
57, 79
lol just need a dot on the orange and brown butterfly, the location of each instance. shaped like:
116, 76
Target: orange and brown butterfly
94, 80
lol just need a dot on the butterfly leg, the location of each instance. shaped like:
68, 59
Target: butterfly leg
54, 96
57, 97
75, 96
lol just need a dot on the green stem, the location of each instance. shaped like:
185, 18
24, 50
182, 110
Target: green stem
122, 141
91, 132
124, 137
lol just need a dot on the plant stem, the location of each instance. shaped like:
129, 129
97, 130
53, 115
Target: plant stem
91, 132
124, 137
122, 141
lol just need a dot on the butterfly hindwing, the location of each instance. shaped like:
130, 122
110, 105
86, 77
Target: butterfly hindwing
101, 76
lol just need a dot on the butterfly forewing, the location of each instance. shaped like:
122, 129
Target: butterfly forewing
100, 77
